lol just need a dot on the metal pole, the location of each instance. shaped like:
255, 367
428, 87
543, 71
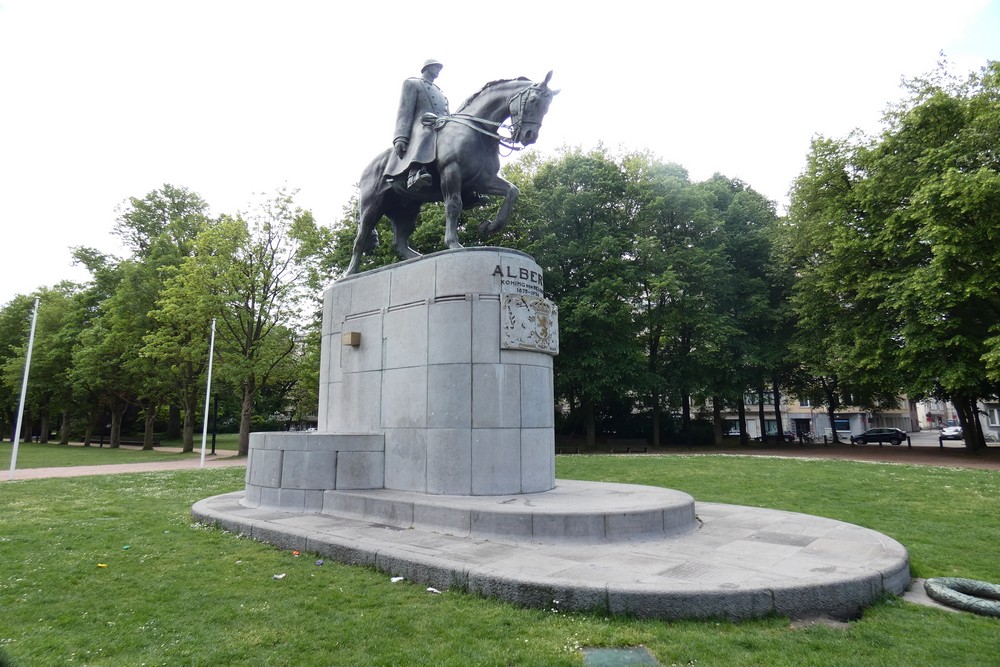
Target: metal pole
208, 393
215, 419
24, 390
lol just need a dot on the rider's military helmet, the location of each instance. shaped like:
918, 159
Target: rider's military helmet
429, 62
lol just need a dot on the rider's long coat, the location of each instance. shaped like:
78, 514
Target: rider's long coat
418, 97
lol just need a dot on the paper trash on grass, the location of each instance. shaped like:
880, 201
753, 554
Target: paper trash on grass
396, 580
433, 590
279, 576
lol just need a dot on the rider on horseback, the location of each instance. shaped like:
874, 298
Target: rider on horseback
420, 104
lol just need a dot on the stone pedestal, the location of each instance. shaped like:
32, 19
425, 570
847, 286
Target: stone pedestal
435, 377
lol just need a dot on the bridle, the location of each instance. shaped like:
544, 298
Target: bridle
520, 99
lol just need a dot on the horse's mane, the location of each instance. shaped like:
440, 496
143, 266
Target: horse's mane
485, 88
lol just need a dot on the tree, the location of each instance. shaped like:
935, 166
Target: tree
249, 272
896, 240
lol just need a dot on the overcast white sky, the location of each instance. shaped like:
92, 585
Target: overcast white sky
105, 100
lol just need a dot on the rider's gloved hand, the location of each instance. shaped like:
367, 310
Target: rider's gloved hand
399, 145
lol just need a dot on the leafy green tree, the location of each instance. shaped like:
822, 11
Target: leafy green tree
15, 323
896, 244
250, 273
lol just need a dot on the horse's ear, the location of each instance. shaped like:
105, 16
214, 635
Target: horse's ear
545, 84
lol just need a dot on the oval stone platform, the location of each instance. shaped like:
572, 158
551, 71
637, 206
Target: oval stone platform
736, 562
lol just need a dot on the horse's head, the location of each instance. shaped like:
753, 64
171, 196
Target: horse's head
527, 108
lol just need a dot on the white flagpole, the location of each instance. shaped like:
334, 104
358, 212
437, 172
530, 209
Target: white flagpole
208, 393
24, 390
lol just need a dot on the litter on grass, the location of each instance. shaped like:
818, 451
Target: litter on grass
279, 576
433, 590
396, 580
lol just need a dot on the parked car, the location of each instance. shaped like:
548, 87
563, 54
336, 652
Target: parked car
891, 435
951, 433
787, 436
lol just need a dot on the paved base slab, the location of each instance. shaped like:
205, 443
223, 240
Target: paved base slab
740, 562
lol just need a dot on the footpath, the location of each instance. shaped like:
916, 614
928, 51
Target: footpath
924, 451
221, 459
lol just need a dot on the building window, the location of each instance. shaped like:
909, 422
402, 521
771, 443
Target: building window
993, 416
804, 403
770, 427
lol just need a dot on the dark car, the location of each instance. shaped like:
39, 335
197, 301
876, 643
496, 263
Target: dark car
891, 435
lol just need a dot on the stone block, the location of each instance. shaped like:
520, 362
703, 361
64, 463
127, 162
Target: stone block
486, 330
354, 404
501, 525
437, 518
368, 355
252, 498
406, 459
424, 570
537, 410
449, 327
343, 504
405, 334
266, 468
332, 364
368, 292
571, 527
353, 442
526, 358
360, 470
389, 511
496, 461
449, 396
314, 500
411, 283
404, 398
309, 470
538, 463
336, 306
465, 272
496, 396
449, 461
338, 549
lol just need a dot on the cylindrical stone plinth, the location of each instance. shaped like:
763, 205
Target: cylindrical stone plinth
448, 356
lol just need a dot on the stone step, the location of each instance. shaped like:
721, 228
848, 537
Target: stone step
571, 512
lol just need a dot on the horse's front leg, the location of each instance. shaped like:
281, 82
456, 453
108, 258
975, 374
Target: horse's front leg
451, 191
498, 186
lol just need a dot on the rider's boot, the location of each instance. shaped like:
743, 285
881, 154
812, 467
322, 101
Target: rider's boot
418, 179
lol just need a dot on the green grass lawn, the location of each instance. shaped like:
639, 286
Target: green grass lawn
177, 593
31, 455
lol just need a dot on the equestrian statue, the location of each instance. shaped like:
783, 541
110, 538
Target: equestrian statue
454, 158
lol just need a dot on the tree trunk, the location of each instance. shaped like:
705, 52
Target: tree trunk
43, 427
831, 413
589, 416
246, 414
717, 420
91, 425
741, 411
762, 413
968, 419
25, 425
777, 411
656, 418
149, 425
65, 425
174, 422
117, 412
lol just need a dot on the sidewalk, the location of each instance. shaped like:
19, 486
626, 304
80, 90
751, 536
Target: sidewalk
222, 459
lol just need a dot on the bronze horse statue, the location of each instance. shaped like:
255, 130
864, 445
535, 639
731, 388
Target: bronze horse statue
466, 166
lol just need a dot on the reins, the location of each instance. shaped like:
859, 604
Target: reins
470, 121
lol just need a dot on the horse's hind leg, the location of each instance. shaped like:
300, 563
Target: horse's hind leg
367, 238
